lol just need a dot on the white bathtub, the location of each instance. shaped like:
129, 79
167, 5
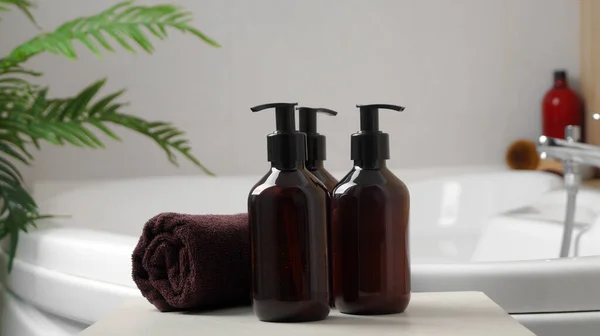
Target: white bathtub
465, 235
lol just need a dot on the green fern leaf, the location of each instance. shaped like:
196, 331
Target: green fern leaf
17, 70
9, 169
22, 5
98, 36
12, 188
106, 104
166, 136
18, 209
123, 22
9, 149
16, 92
74, 107
14, 97
99, 125
61, 121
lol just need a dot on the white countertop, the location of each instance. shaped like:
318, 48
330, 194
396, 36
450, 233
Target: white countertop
448, 314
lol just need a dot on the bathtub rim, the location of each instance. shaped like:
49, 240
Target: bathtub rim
557, 285
427, 277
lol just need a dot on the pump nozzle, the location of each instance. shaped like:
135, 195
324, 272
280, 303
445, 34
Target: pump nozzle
370, 146
308, 118
284, 115
369, 115
286, 147
315, 142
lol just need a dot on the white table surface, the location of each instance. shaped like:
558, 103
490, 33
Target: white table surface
447, 314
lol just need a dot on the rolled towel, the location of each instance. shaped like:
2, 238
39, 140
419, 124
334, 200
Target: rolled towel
185, 262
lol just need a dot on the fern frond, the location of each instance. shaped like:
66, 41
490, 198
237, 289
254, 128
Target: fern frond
123, 23
18, 70
18, 210
72, 121
14, 151
167, 136
16, 99
14, 96
13, 80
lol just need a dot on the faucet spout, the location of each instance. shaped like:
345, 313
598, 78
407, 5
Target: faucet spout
572, 154
553, 148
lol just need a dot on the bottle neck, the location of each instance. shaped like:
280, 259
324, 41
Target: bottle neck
379, 164
560, 83
295, 165
314, 165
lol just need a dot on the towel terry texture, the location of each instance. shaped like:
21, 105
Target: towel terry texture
186, 262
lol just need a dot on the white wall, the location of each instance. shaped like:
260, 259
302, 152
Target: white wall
470, 72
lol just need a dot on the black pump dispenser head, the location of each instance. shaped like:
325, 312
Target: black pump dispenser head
315, 142
286, 147
370, 146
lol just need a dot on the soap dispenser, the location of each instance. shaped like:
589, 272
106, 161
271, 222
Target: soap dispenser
288, 215
371, 272
316, 154
315, 144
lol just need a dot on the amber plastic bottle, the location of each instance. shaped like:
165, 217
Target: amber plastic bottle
371, 271
288, 230
316, 144
316, 151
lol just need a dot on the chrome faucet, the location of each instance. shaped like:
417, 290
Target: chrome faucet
572, 154
569, 149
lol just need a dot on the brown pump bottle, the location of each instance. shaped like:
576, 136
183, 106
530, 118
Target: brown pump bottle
288, 214
316, 151
371, 271
316, 144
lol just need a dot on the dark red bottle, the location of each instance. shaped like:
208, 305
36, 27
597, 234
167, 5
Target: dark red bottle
288, 214
371, 270
561, 107
316, 152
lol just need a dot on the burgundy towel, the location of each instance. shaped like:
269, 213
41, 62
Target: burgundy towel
194, 261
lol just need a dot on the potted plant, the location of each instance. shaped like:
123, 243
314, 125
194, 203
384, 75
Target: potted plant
28, 115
